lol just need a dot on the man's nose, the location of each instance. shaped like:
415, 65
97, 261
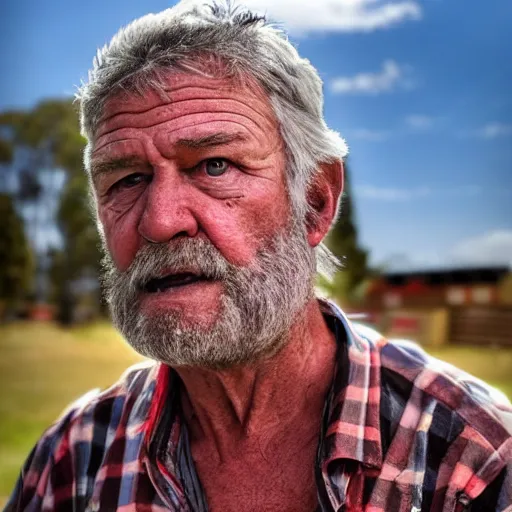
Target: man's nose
168, 209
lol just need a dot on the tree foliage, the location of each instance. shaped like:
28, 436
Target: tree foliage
48, 136
5, 151
348, 284
16, 263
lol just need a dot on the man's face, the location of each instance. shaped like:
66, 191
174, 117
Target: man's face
201, 244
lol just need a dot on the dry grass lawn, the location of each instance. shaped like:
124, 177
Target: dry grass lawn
42, 369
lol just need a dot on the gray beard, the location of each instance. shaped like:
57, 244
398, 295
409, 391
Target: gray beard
260, 303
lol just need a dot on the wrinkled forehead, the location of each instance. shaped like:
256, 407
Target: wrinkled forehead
174, 94
171, 87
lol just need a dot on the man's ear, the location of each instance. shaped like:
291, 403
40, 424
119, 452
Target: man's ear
322, 197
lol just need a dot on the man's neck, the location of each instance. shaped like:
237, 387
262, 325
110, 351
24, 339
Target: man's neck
257, 405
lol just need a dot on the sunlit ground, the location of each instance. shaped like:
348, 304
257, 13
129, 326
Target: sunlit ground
43, 368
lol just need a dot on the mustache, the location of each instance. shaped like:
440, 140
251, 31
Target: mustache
188, 255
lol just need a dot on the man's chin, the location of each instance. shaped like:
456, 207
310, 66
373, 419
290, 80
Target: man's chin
197, 304
170, 323
176, 340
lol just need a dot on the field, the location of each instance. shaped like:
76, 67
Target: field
43, 368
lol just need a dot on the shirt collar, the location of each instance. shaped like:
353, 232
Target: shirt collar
352, 423
352, 411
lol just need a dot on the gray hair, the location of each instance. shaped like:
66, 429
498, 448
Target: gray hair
245, 44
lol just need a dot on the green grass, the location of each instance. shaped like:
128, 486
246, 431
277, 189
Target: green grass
43, 368
491, 364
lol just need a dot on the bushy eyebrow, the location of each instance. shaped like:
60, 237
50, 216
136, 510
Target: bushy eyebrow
215, 139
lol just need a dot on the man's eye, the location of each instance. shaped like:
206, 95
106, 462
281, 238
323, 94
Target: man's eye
216, 166
131, 180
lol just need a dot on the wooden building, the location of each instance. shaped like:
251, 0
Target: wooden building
467, 305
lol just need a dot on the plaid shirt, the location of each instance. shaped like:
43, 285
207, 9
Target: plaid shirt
401, 432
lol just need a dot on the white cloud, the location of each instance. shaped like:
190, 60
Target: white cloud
396, 194
492, 248
419, 122
391, 194
405, 262
389, 78
369, 135
493, 130
489, 131
338, 15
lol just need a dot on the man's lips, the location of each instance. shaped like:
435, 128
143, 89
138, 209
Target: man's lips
172, 281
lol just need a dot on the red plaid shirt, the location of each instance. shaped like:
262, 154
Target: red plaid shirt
401, 432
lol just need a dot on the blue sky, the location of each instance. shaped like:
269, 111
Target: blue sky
420, 90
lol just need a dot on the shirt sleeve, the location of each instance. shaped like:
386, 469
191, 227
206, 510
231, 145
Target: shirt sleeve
33, 490
497, 496
46, 481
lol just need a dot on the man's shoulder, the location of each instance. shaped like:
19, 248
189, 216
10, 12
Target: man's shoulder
125, 403
437, 421
478, 404
87, 427
71, 449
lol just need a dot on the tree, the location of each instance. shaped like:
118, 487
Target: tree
5, 152
43, 145
348, 283
15, 255
80, 257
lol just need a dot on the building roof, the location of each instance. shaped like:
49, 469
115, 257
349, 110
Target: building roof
454, 276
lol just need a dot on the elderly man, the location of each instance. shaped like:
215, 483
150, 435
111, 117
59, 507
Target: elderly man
215, 180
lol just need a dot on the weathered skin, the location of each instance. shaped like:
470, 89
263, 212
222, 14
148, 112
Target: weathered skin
254, 429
